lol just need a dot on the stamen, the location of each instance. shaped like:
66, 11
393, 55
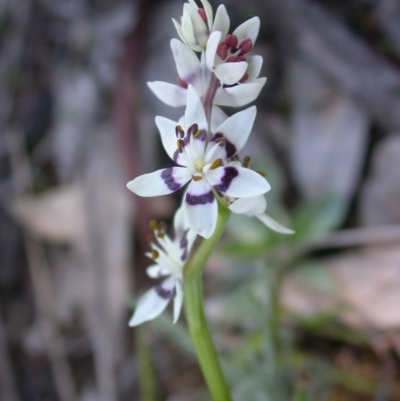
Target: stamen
203, 14
245, 46
180, 144
160, 234
155, 254
182, 83
216, 164
163, 226
150, 238
153, 225
193, 129
180, 133
262, 173
222, 51
197, 177
199, 134
246, 161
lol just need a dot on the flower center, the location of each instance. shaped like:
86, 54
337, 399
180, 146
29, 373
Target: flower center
199, 164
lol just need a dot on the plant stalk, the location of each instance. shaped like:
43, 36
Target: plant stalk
195, 316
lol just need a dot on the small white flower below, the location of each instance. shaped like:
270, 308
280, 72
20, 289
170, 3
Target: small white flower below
170, 256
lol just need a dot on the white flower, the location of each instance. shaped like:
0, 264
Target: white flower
197, 23
256, 206
204, 162
192, 71
170, 256
226, 54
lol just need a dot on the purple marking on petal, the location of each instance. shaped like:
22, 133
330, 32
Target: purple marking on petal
230, 149
217, 136
163, 292
229, 175
176, 154
169, 180
203, 199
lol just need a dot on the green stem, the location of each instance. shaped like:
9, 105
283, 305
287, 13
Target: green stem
147, 381
195, 316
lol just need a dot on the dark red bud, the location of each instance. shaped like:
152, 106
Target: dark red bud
182, 83
231, 41
245, 46
222, 51
232, 59
234, 41
203, 14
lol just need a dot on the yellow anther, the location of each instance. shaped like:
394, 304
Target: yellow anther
161, 234
246, 161
180, 145
154, 254
199, 133
216, 164
153, 225
180, 133
262, 173
197, 177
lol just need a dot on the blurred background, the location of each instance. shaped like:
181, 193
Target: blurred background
309, 317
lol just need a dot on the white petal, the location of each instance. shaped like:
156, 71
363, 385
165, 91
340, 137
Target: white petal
156, 271
211, 49
179, 29
179, 221
193, 4
249, 29
191, 237
152, 303
239, 95
168, 138
218, 116
209, 12
201, 208
231, 73
251, 206
194, 113
161, 182
188, 30
214, 151
274, 225
187, 63
237, 182
171, 94
221, 22
254, 68
178, 299
237, 129
200, 29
